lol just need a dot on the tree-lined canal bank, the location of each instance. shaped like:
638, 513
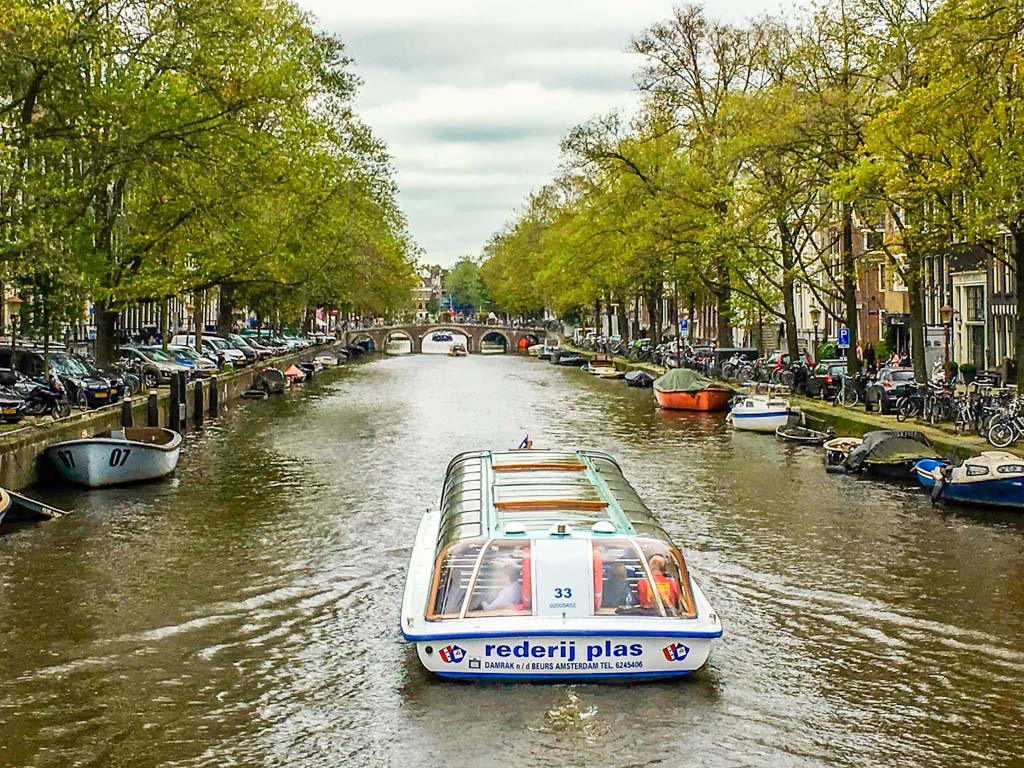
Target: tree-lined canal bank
245, 610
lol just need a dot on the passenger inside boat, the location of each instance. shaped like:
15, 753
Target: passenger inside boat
617, 592
666, 585
511, 592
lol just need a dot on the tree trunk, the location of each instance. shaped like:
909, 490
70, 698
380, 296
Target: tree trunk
165, 324
105, 327
634, 333
197, 318
1018, 324
654, 310
789, 292
850, 288
917, 349
693, 318
224, 307
597, 316
723, 294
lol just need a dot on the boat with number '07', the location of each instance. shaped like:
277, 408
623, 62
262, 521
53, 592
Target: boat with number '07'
127, 455
543, 564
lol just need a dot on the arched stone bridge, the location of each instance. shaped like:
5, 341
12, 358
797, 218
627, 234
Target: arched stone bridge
475, 334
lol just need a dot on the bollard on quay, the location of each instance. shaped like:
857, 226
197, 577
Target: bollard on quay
173, 411
197, 404
153, 410
214, 395
126, 412
182, 401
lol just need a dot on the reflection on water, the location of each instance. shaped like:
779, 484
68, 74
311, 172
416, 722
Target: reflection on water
244, 612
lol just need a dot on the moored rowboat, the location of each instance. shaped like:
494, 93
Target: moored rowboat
801, 435
126, 455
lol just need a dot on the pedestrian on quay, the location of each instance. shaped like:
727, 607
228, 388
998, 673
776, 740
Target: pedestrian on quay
869, 358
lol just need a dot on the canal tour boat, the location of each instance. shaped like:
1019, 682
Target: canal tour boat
539, 565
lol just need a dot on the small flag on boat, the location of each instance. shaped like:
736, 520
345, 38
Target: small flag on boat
526, 443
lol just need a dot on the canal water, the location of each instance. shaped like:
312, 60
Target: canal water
245, 611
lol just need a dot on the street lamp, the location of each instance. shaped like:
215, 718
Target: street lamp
946, 316
13, 310
815, 315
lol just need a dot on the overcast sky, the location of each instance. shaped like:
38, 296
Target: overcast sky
472, 96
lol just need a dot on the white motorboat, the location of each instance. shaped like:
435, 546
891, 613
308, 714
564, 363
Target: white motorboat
126, 455
534, 349
326, 360
762, 413
546, 564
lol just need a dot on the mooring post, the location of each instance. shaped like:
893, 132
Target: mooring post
214, 395
197, 405
153, 410
182, 401
173, 412
126, 413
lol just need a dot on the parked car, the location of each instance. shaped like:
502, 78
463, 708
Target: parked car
236, 341
260, 346
86, 387
203, 365
889, 385
826, 378
225, 352
158, 367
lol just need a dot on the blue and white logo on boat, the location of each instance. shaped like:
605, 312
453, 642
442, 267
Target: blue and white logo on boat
451, 654
675, 652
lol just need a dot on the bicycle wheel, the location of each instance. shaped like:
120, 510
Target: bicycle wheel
786, 378
743, 376
1001, 434
850, 398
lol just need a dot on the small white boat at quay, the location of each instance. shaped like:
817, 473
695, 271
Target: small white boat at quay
762, 413
547, 565
126, 455
326, 360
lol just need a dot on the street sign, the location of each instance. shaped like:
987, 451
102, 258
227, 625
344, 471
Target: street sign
684, 324
844, 338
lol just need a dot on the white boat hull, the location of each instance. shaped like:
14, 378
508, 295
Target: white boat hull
524, 656
539, 648
767, 422
99, 462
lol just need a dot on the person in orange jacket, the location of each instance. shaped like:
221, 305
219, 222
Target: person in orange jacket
667, 586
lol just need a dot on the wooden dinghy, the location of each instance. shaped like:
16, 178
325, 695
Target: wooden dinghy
15, 508
128, 455
801, 435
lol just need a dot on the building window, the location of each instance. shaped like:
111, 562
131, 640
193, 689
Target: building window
975, 303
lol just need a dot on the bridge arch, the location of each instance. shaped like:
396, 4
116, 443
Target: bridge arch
364, 340
489, 335
399, 333
453, 329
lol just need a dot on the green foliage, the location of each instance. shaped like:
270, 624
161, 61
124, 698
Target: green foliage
828, 351
169, 148
465, 285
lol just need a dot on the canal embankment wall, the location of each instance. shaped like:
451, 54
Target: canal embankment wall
21, 449
845, 421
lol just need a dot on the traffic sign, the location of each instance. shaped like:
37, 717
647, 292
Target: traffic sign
844, 338
684, 324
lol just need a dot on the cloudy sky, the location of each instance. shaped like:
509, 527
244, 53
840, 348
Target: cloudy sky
472, 96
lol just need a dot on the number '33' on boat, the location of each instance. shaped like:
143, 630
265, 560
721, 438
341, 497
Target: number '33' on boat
126, 455
546, 564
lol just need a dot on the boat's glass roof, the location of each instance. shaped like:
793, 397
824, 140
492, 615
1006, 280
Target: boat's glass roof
487, 492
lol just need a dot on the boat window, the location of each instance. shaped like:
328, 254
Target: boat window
452, 578
976, 470
671, 587
1011, 469
502, 586
621, 570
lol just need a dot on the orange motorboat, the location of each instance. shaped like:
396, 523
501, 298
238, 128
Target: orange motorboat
711, 399
682, 389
